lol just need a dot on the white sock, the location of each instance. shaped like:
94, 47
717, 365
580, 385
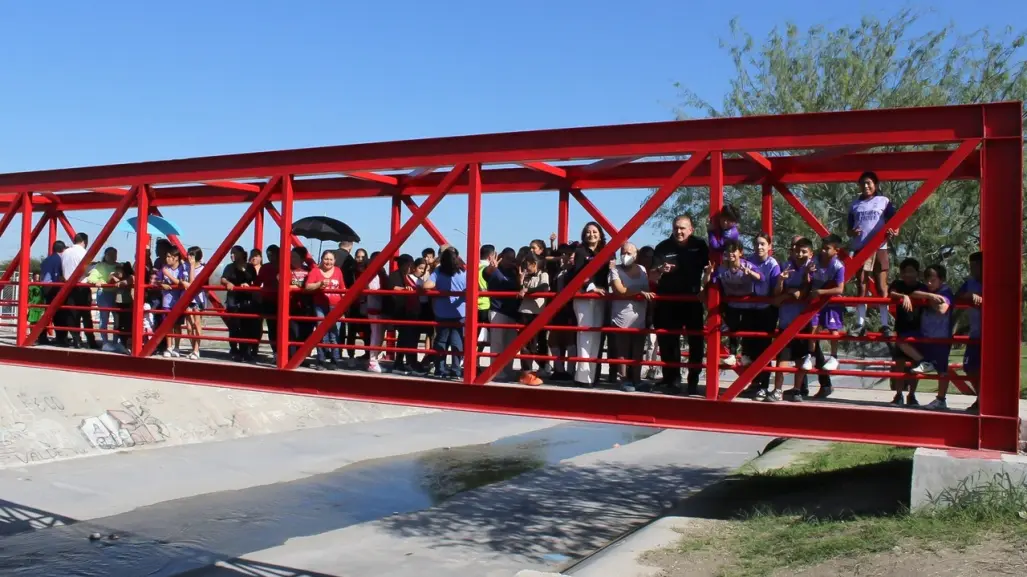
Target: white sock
885, 316
861, 314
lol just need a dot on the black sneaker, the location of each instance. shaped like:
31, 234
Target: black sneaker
897, 401
911, 400
823, 393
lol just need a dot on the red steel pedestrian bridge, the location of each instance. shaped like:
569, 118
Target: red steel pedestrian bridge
980, 142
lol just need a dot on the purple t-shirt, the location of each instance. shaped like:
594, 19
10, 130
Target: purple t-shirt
736, 283
170, 297
717, 237
769, 271
790, 310
828, 276
869, 215
936, 325
973, 286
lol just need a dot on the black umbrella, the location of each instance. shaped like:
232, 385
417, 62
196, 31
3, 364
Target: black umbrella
324, 228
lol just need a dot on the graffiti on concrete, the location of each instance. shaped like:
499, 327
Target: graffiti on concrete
130, 426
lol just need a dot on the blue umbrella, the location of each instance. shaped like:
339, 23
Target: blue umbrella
159, 223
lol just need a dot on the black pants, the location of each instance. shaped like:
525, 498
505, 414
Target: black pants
408, 337
675, 316
629, 347
762, 320
800, 348
60, 318
269, 309
123, 323
81, 297
735, 319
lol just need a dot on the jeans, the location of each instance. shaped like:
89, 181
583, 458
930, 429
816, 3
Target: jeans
448, 339
331, 337
105, 300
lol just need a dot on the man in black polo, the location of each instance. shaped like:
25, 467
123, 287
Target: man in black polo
682, 258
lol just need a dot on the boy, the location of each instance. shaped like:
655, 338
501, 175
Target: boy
722, 229
907, 324
935, 323
737, 278
827, 279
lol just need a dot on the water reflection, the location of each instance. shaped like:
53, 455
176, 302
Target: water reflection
182, 536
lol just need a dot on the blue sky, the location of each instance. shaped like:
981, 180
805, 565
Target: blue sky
124, 81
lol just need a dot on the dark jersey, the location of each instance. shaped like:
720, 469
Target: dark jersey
689, 259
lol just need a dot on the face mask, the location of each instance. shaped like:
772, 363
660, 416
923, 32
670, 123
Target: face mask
627, 259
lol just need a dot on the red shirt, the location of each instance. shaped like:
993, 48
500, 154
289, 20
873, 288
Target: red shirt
333, 282
267, 278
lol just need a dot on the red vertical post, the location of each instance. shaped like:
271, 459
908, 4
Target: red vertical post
1001, 243
396, 222
471, 258
24, 270
713, 294
51, 236
563, 217
141, 278
284, 272
767, 210
258, 231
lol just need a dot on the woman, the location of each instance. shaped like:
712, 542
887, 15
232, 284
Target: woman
350, 270
629, 280
449, 312
324, 282
534, 279
589, 312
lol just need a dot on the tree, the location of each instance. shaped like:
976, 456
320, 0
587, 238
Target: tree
873, 65
35, 263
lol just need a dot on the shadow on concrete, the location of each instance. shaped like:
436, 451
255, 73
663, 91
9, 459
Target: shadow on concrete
879, 489
15, 519
559, 513
565, 509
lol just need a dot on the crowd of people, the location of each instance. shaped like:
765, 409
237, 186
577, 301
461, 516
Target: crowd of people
636, 308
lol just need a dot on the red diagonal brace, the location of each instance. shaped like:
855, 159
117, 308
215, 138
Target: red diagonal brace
593, 211
872, 244
277, 217
810, 218
12, 211
94, 248
17, 257
66, 225
428, 225
376, 264
219, 255
601, 259
773, 177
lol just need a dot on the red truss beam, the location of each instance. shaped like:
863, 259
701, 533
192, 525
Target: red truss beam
593, 211
374, 266
737, 171
219, 256
909, 126
852, 266
16, 262
807, 420
428, 225
92, 250
602, 258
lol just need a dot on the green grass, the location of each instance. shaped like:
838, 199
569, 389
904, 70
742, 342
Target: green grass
846, 502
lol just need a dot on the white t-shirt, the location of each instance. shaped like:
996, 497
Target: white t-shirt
70, 259
629, 314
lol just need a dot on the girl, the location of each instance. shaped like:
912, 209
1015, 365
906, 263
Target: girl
561, 343
324, 282
449, 310
371, 309
868, 214
194, 322
589, 312
722, 229
761, 317
907, 324
406, 307
173, 280
533, 280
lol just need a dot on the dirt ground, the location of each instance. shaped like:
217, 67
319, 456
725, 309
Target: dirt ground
985, 559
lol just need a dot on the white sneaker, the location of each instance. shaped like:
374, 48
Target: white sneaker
831, 364
807, 363
729, 361
373, 367
937, 405
166, 354
925, 367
